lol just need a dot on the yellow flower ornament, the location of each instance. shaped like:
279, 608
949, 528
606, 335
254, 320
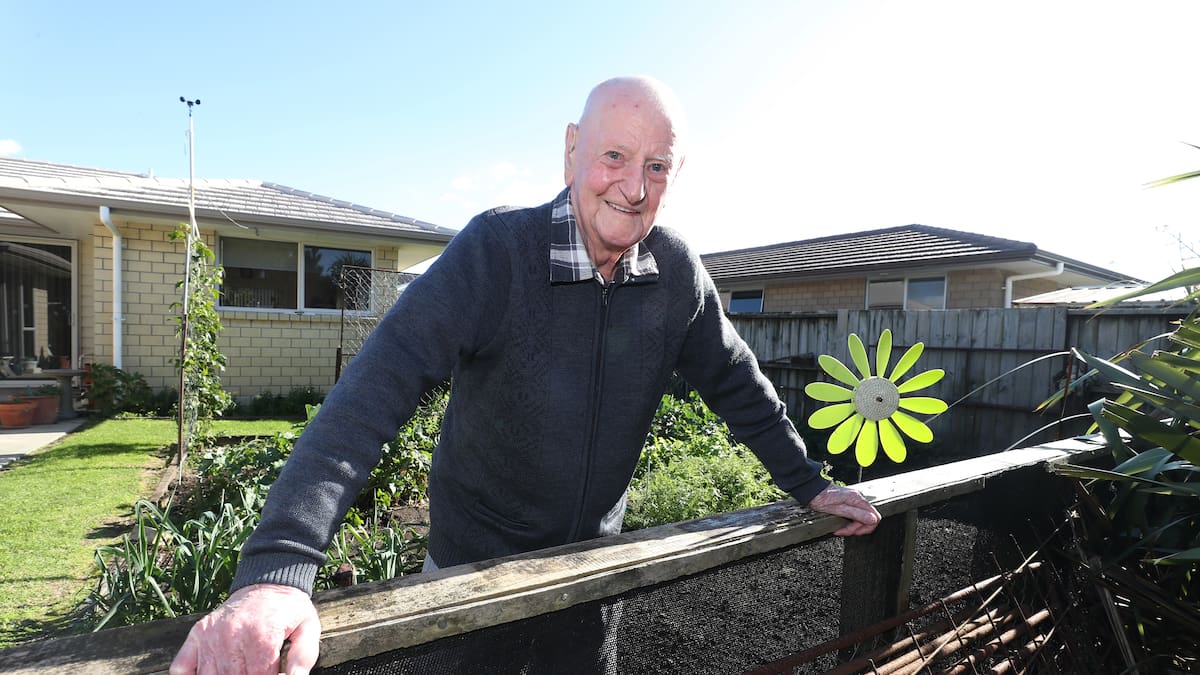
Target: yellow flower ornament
871, 409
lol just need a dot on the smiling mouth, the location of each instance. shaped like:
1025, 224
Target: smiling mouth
622, 209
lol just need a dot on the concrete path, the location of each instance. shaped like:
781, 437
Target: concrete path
15, 443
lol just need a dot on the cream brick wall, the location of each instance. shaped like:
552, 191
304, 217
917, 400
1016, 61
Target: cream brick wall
278, 352
818, 295
265, 351
977, 288
966, 289
1024, 289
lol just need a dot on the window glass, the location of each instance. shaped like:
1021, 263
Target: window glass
35, 302
746, 301
885, 294
927, 293
322, 273
259, 274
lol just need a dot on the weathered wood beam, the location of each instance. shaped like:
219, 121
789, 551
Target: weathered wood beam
373, 618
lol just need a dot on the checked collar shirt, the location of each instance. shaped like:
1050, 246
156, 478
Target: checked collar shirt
569, 259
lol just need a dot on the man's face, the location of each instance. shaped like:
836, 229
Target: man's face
620, 160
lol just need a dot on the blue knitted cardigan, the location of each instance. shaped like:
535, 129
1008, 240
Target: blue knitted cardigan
553, 390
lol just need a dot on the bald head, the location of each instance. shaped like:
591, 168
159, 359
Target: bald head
620, 158
638, 91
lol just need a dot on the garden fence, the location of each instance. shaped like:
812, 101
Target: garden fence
973, 346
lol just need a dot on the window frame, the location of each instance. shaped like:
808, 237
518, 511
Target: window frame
300, 277
746, 292
906, 281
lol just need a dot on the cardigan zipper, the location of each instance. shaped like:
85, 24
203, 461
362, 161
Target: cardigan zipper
597, 389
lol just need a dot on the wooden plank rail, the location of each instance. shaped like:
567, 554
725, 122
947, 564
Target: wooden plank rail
373, 618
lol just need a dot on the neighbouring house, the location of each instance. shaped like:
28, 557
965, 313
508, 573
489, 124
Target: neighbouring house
1083, 296
88, 270
908, 267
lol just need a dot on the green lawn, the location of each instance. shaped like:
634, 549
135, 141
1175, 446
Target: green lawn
59, 504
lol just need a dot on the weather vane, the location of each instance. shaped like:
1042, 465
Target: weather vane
189, 104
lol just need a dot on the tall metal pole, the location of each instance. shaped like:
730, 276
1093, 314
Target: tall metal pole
192, 234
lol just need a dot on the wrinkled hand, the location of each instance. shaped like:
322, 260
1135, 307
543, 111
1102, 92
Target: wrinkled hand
244, 635
847, 503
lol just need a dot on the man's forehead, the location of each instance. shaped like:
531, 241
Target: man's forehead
648, 132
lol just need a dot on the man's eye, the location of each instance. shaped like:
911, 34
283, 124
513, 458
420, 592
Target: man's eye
613, 155
658, 167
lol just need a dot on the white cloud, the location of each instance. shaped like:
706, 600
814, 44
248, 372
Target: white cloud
9, 147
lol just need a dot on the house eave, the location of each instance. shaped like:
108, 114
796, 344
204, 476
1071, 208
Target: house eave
13, 198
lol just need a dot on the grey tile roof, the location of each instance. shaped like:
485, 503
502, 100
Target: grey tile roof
890, 248
235, 199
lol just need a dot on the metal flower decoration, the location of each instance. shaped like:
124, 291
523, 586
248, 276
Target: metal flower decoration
871, 410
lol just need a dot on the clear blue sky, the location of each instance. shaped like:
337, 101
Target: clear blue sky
1037, 121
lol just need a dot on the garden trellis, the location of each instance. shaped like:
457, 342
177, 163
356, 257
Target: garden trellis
366, 294
188, 408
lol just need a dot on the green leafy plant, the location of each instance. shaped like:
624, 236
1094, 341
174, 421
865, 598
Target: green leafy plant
112, 390
683, 427
691, 466
167, 569
270, 404
376, 552
696, 486
1140, 520
403, 471
202, 362
46, 390
252, 465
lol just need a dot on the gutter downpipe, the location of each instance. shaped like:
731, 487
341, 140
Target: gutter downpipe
1009, 281
118, 315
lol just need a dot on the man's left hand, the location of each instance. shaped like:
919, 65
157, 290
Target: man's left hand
847, 503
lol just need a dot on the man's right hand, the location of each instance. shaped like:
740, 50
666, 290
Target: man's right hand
245, 634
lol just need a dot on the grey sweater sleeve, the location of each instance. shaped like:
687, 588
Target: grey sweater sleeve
721, 367
443, 314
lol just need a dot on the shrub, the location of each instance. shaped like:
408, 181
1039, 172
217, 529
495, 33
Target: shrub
1139, 522
696, 486
249, 466
270, 404
403, 471
112, 390
683, 427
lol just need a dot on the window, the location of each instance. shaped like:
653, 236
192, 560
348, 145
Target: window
746, 301
885, 294
35, 302
267, 274
928, 293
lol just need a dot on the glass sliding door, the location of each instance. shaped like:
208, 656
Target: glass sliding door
35, 304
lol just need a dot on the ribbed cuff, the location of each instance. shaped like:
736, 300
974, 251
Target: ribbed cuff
276, 568
805, 491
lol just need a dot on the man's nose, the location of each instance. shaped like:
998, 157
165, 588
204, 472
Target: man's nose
633, 184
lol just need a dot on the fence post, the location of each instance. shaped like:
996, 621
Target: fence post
877, 572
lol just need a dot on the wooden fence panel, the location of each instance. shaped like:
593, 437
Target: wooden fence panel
973, 346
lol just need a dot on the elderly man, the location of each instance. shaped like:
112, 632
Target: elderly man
560, 326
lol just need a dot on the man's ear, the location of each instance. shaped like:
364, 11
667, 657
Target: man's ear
569, 154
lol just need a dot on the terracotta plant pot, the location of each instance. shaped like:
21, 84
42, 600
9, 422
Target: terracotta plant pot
46, 411
16, 415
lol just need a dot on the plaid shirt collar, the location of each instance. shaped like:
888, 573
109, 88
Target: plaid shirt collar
569, 260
